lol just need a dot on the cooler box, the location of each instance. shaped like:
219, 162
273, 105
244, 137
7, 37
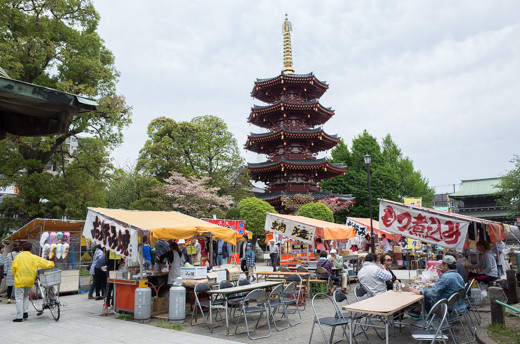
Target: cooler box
196, 272
221, 274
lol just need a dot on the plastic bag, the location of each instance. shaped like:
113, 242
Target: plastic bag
483, 290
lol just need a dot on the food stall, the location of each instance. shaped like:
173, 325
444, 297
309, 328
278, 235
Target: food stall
447, 230
56, 240
303, 230
122, 231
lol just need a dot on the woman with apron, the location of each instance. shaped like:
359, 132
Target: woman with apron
174, 259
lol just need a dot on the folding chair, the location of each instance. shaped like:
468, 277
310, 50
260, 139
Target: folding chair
233, 300
201, 288
434, 325
302, 268
298, 292
255, 301
283, 269
330, 321
454, 317
323, 271
290, 300
275, 302
467, 317
473, 309
338, 297
362, 293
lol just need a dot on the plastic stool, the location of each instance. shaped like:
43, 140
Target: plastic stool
317, 287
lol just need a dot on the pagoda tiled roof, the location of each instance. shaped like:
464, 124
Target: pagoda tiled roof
283, 101
315, 195
304, 131
287, 162
292, 76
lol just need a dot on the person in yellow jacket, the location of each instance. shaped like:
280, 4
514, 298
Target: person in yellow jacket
24, 268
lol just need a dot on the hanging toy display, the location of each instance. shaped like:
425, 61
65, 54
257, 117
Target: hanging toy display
53, 238
66, 237
65, 251
43, 238
59, 237
46, 250
52, 253
59, 251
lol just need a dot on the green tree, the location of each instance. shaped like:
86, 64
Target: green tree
233, 213
55, 44
392, 175
510, 189
316, 210
253, 211
201, 147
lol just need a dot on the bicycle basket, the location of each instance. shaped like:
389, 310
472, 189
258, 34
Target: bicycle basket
48, 278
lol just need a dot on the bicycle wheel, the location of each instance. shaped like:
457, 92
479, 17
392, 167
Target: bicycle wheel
37, 297
53, 301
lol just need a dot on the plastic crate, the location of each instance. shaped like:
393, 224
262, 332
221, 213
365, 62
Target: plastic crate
317, 287
48, 278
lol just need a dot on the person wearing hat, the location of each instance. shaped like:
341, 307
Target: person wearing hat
337, 263
449, 283
250, 257
273, 253
185, 258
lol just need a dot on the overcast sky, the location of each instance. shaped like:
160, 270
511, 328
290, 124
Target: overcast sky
441, 77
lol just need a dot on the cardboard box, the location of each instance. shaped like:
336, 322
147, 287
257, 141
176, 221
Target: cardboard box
196, 272
212, 278
221, 274
233, 273
160, 304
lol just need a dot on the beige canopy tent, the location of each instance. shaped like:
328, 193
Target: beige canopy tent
33, 229
117, 229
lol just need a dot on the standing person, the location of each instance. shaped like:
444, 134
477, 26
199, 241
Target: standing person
25, 267
223, 250
8, 272
242, 249
250, 258
368, 243
384, 244
386, 260
487, 262
100, 276
273, 254
186, 258
373, 276
174, 256
147, 255
337, 263
113, 261
161, 247
319, 246
1, 264
498, 249
196, 258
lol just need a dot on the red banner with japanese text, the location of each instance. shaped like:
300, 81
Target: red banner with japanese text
415, 223
237, 225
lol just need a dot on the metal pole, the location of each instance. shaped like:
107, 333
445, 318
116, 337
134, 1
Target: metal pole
372, 243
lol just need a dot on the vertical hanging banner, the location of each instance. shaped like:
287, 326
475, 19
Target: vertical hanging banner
111, 235
289, 229
359, 228
420, 224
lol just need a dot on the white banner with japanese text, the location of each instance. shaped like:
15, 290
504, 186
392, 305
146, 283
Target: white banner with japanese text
290, 229
428, 227
113, 236
359, 228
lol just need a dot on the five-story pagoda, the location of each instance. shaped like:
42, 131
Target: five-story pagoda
294, 137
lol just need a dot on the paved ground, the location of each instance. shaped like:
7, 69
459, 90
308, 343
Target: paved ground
82, 322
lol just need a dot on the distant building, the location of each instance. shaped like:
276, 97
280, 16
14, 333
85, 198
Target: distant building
479, 198
70, 146
443, 202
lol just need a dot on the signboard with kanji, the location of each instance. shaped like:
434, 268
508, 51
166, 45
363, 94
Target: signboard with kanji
289, 229
237, 225
422, 225
360, 230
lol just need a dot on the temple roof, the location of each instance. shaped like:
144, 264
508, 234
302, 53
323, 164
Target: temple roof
326, 141
307, 164
31, 110
276, 85
307, 104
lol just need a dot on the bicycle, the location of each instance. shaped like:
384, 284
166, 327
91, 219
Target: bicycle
45, 294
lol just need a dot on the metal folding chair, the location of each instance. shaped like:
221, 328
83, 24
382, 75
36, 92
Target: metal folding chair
323, 271
298, 292
455, 317
339, 298
434, 325
290, 300
255, 302
473, 309
330, 321
201, 288
283, 269
302, 268
276, 302
362, 293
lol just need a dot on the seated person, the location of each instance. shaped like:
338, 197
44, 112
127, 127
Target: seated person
337, 263
386, 260
449, 283
326, 264
487, 262
373, 276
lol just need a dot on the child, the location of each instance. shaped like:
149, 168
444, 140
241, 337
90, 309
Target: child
250, 262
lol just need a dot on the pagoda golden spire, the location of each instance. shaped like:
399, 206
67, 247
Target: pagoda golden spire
287, 50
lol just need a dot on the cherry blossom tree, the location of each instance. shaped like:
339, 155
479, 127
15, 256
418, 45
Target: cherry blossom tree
193, 195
